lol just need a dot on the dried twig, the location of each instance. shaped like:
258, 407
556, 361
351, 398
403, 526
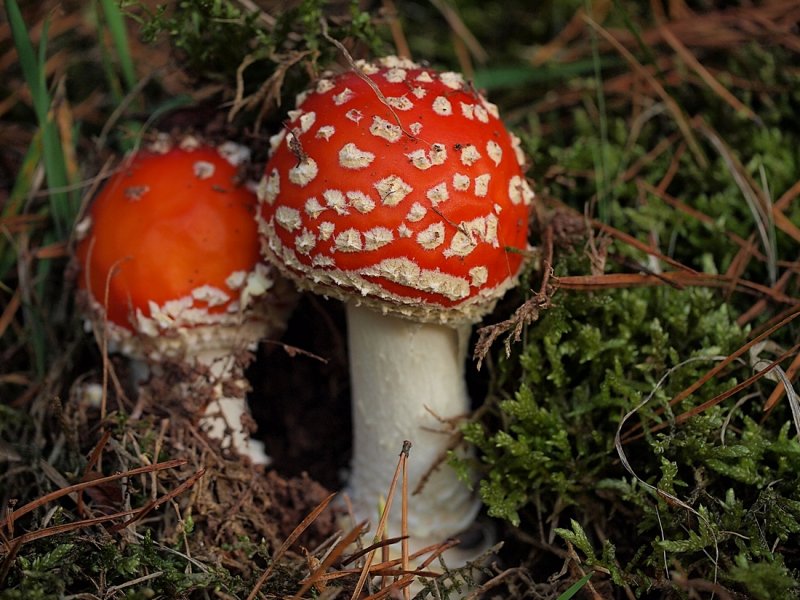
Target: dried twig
383, 520
674, 108
77, 525
628, 280
30, 506
280, 552
526, 314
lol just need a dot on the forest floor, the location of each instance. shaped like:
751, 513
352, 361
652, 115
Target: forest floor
635, 421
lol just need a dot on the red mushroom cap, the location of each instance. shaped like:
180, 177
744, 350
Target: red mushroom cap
169, 253
400, 187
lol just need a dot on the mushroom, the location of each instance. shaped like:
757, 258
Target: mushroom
170, 264
398, 190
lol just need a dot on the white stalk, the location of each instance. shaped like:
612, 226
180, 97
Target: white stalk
407, 383
222, 419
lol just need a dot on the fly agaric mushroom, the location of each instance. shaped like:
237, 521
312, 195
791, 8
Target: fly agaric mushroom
170, 260
398, 190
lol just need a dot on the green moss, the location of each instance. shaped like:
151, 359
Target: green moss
764, 580
547, 449
588, 361
144, 569
213, 38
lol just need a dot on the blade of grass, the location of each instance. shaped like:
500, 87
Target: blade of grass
33, 71
758, 201
62, 204
600, 162
27, 59
779, 390
119, 36
512, 76
576, 587
35, 320
113, 82
15, 203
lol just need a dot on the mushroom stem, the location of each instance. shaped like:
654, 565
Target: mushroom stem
223, 416
408, 384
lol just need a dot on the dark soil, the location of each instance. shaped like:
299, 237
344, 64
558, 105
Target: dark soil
300, 397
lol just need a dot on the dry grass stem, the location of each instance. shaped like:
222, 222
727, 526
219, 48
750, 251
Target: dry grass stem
30, 506
674, 108
370, 556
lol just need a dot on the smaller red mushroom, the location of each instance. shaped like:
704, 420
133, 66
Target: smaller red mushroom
398, 189
170, 265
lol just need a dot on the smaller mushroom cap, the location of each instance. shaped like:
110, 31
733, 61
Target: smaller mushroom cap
169, 254
397, 186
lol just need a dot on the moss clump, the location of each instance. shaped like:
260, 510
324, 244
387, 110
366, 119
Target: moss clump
591, 359
215, 39
49, 569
